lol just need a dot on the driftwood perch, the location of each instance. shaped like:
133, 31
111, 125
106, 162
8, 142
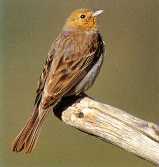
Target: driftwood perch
113, 125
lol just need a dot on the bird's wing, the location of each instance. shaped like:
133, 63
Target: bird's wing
73, 58
44, 75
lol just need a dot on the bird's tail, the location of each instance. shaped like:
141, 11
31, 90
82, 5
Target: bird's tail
27, 138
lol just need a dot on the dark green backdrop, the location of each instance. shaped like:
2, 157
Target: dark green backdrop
129, 78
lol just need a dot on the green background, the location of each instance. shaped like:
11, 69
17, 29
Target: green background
128, 80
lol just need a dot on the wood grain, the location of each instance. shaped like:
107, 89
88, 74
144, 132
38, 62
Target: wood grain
115, 126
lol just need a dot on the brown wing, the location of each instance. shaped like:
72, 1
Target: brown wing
44, 74
46, 68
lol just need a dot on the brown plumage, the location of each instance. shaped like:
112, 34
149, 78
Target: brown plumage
73, 63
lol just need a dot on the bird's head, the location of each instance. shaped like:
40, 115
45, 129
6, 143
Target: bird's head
82, 19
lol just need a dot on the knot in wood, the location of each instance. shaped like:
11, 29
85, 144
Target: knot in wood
80, 114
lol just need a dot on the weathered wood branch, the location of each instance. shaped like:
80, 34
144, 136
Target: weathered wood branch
115, 126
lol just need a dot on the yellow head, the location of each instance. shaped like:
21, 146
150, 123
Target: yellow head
82, 19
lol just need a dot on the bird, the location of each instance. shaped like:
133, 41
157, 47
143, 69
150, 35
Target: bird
73, 63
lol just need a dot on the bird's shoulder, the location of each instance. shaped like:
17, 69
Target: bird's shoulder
66, 38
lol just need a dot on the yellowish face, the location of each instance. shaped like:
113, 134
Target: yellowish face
81, 19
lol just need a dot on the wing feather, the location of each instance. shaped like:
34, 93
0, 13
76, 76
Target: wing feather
43, 77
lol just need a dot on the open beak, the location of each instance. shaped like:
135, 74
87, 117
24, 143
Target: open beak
98, 12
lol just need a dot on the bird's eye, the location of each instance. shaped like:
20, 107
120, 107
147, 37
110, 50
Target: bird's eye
82, 16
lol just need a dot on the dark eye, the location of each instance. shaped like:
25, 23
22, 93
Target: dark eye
82, 16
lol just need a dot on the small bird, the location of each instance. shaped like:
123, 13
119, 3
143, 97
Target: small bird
73, 62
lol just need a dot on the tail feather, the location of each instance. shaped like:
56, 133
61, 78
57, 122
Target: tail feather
31, 141
27, 138
18, 144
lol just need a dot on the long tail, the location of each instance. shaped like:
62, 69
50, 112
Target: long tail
27, 138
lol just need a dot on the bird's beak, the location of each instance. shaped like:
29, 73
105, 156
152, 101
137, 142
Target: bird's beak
98, 12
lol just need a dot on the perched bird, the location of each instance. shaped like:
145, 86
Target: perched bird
73, 63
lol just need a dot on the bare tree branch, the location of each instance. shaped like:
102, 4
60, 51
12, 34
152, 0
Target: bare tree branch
113, 125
